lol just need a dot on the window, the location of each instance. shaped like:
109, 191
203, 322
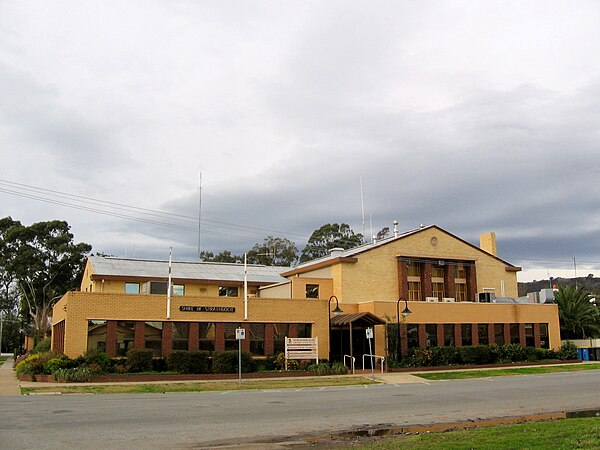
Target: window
132, 288
465, 333
431, 335
228, 291
414, 291
437, 272
544, 342
257, 338
438, 290
514, 333
280, 331
125, 337
181, 336
449, 334
178, 289
482, 332
158, 287
529, 339
499, 333
312, 291
460, 291
96, 335
304, 330
461, 272
231, 342
412, 335
414, 269
153, 337
207, 336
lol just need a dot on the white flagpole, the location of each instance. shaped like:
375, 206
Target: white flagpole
169, 285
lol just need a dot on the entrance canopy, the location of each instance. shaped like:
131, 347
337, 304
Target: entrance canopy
363, 319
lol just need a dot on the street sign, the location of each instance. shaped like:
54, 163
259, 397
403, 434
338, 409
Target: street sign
240, 334
369, 332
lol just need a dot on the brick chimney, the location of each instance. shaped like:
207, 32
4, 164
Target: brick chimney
487, 243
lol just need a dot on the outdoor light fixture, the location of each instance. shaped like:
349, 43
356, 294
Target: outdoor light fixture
336, 312
405, 313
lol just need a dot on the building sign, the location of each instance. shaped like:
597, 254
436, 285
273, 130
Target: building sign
301, 348
215, 309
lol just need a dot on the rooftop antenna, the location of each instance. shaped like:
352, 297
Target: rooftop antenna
362, 207
199, 213
395, 228
371, 223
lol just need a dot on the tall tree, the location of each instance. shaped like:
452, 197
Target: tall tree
579, 317
46, 263
225, 256
327, 237
274, 251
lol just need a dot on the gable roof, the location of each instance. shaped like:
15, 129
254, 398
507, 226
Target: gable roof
123, 268
349, 255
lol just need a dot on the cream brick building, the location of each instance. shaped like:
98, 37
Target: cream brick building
458, 293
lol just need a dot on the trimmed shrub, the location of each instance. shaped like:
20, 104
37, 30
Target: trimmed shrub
159, 365
42, 346
567, 351
98, 362
34, 364
78, 375
227, 362
544, 353
478, 354
139, 360
183, 361
443, 356
59, 362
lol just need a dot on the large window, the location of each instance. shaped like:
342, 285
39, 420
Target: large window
414, 269
529, 339
544, 341
153, 337
257, 338
514, 333
431, 335
449, 334
228, 291
437, 272
181, 336
125, 337
414, 291
466, 330
231, 342
132, 288
312, 291
178, 289
207, 336
460, 290
280, 331
499, 333
438, 290
482, 332
304, 330
460, 272
412, 335
96, 335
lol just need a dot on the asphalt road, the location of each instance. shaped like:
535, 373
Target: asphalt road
190, 420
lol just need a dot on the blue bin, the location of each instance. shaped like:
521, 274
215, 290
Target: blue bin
584, 354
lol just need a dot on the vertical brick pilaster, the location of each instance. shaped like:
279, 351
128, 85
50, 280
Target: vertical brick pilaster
403, 339
194, 336
507, 333
426, 285
475, 333
246, 342
440, 334
167, 338
457, 335
536, 335
219, 336
294, 331
402, 279
491, 334
522, 339
269, 344
422, 336
111, 337
471, 282
449, 280
139, 340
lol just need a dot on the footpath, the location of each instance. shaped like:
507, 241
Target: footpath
9, 383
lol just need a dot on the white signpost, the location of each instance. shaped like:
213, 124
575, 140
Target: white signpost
369, 332
240, 335
301, 348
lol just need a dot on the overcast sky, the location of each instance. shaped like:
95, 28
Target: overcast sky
476, 116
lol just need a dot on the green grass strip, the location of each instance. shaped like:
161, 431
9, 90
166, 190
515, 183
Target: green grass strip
566, 434
484, 373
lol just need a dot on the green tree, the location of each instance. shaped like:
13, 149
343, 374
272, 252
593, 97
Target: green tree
274, 251
579, 317
224, 256
327, 237
45, 263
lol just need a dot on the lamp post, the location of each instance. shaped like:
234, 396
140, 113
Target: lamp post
405, 313
336, 312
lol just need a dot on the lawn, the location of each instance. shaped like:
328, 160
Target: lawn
483, 373
565, 434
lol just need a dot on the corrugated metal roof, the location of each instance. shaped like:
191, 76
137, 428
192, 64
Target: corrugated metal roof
184, 270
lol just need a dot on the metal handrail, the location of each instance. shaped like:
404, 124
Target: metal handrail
375, 356
352, 359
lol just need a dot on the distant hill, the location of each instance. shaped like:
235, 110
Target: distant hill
588, 283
